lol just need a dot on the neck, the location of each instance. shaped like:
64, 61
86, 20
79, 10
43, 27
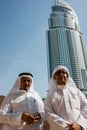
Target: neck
61, 86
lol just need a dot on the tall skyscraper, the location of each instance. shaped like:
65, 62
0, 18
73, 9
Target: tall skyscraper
65, 43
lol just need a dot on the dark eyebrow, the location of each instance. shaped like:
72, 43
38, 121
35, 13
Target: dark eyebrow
61, 71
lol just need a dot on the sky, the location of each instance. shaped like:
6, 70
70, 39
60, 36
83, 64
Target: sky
23, 26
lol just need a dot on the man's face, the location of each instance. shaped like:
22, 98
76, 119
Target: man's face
25, 83
61, 77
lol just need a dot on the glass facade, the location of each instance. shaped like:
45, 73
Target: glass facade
65, 44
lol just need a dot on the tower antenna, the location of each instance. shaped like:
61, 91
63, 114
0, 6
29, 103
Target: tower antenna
56, 1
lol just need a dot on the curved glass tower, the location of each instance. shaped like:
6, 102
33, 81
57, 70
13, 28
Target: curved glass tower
65, 43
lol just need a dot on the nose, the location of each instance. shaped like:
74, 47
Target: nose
26, 82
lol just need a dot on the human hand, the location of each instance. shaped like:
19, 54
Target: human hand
37, 116
74, 126
28, 118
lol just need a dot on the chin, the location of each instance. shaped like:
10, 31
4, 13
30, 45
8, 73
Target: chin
63, 83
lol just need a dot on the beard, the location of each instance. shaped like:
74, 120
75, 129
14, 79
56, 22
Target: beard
26, 88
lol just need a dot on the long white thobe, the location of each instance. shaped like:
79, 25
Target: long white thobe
15, 105
67, 105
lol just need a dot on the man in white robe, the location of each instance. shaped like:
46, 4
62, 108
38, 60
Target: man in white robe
22, 109
66, 105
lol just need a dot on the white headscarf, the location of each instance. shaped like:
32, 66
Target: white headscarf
52, 83
16, 87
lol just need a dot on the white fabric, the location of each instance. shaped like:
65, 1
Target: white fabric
17, 102
65, 105
53, 84
59, 68
16, 87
